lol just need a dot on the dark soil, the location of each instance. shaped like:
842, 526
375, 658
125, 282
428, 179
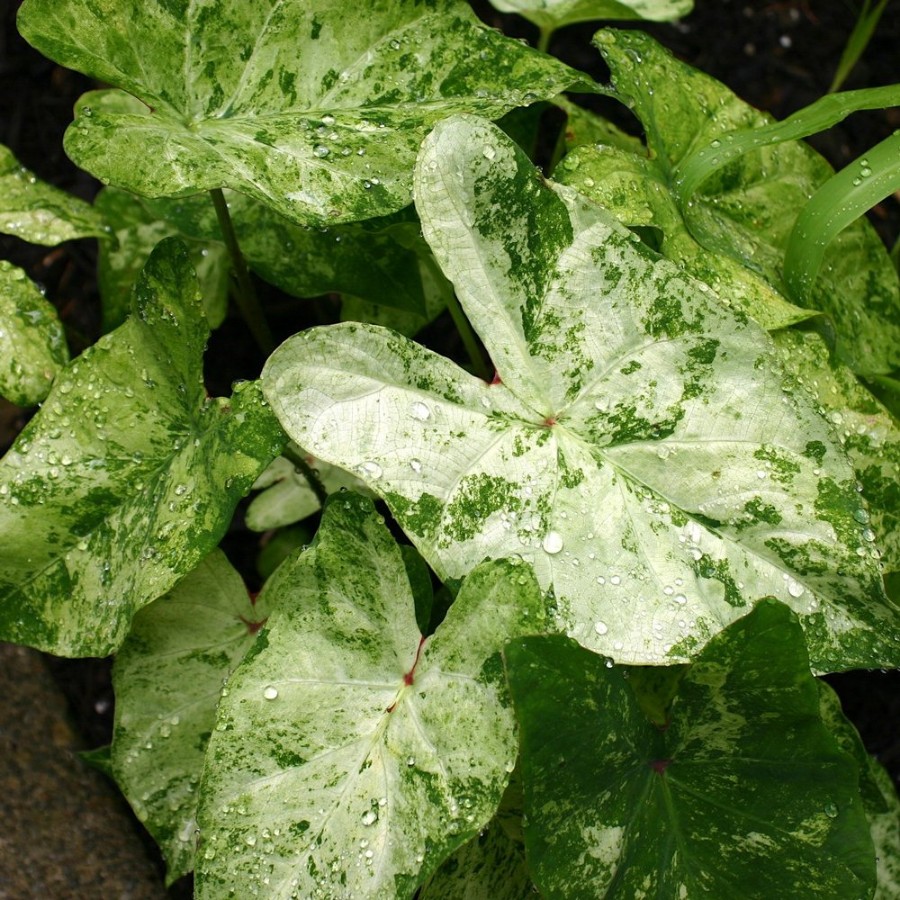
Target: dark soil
779, 56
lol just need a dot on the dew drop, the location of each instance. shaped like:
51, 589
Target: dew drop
552, 543
420, 411
369, 817
321, 151
601, 627
489, 152
270, 693
415, 465
831, 811
372, 469
795, 589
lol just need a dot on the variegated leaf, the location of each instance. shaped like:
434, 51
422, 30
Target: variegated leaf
867, 431
351, 755
747, 209
128, 475
286, 493
642, 446
738, 790
314, 108
37, 212
33, 346
634, 189
552, 14
168, 676
138, 230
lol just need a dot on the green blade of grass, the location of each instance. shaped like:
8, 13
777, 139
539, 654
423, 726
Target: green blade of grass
819, 116
841, 200
865, 26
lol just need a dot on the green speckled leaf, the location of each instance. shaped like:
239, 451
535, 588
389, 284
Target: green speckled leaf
634, 189
32, 343
586, 127
491, 866
138, 230
286, 495
378, 261
747, 209
128, 475
643, 447
313, 107
37, 212
879, 796
350, 755
885, 827
167, 677
867, 431
552, 14
745, 792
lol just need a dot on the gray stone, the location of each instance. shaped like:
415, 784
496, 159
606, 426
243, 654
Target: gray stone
65, 832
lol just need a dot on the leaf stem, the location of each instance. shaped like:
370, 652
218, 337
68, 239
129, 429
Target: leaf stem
543, 41
470, 342
308, 472
245, 294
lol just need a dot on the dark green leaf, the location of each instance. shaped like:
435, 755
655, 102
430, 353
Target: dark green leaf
744, 792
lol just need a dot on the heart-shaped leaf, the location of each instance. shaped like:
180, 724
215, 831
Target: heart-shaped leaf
311, 107
552, 14
351, 755
879, 795
37, 212
635, 190
491, 866
32, 343
128, 475
740, 791
643, 449
168, 677
867, 431
378, 260
747, 210
287, 496
138, 230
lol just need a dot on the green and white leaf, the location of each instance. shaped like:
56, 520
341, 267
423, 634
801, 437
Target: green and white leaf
744, 792
39, 213
138, 230
168, 676
866, 430
634, 188
879, 795
583, 126
747, 209
127, 477
287, 496
552, 14
351, 755
491, 866
378, 261
33, 345
315, 109
644, 450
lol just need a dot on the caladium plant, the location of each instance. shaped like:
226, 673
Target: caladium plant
551, 621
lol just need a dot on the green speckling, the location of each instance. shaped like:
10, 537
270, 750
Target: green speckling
815, 450
422, 517
719, 570
781, 467
759, 511
478, 497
